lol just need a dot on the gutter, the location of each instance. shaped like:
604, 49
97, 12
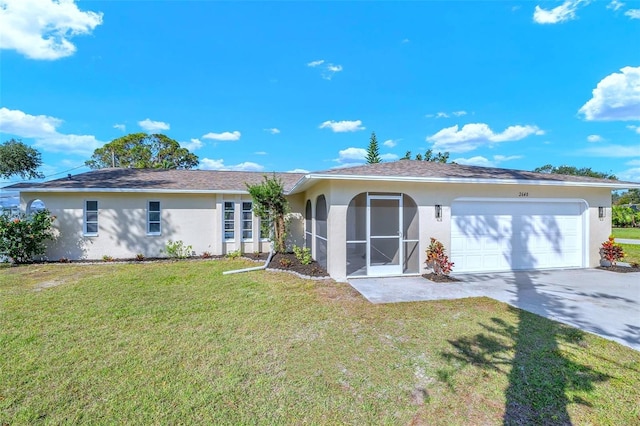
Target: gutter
255, 268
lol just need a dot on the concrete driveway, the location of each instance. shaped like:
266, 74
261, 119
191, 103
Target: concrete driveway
600, 302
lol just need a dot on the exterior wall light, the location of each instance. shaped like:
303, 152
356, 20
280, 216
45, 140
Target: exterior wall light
438, 212
601, 212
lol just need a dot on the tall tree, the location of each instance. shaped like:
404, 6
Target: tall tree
373, 151
143, 151
440, 157
271, 206
631, 196
16, 158
407, 156
574, 171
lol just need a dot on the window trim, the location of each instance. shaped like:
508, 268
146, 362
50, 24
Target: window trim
244, 221
85, 222
225, 221
149, 221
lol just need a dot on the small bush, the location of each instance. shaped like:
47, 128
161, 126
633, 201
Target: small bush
303, 254
612, 251
139, 257
437, 260
234, 254
107, 258
177, 249
63, 260
24, 236
285, 263
206, 255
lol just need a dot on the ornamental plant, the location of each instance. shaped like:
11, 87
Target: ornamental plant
23, 237
303, 254
437, 259
612, 251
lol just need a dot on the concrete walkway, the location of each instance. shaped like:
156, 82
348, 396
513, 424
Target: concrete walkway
600, 302
627, 241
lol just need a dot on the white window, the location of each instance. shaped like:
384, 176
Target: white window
91, 218
153, 218
247, 221
229, 220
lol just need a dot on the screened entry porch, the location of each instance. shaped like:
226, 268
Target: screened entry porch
382, 235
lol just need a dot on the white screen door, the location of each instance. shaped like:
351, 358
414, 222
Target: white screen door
384, 248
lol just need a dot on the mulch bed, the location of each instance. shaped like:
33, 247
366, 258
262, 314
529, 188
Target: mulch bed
619, 269
440, 278
289, 262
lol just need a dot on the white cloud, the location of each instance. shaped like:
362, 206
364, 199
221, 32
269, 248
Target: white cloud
632, 175
327, 68
224, 136
272, 130
120, 127
153, 126
406, 40
43, 129
459, 113
595, 138
41, 29
485, 162
390, 143
633, 163
634, 128
633, 13
247, 166
616, 97
388, 157
260, 153
343, 126
298, 171
314, 64
442, 115
351, 155
565, 12
612, 151
193, 144
334, 68
615, 5
474, 135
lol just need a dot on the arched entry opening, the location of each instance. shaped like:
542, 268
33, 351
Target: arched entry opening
382, 235
35, 206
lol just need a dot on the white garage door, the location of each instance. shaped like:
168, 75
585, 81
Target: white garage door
516, 235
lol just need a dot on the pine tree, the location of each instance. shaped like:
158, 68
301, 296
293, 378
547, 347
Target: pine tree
373, 152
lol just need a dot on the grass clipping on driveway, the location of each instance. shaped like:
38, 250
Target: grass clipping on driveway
180, 343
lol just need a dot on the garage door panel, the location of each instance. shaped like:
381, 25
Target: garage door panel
512, 235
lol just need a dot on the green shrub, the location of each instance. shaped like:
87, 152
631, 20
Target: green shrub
177, 249
623, 216
22, 237
234, 254
303, 254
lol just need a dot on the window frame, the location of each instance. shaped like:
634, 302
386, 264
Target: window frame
149, 221
85, 220
225, 221
244, 222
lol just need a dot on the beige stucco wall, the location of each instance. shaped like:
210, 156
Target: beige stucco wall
427, 195
196, 219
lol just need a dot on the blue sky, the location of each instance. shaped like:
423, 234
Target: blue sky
282, 86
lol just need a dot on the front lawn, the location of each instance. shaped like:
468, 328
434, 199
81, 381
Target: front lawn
171, 343
630, 233
631, 253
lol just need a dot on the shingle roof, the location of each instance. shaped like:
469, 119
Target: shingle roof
158, 179
210, 180
428, 169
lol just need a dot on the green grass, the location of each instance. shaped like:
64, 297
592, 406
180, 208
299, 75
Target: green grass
178, 342
631, 252
631, 233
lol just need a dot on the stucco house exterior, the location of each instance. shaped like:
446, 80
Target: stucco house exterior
370, 220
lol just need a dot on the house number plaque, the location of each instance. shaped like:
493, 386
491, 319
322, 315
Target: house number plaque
523, 194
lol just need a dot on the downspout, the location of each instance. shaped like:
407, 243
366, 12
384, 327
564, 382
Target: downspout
255, 268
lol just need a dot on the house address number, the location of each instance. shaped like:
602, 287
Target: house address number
523, 194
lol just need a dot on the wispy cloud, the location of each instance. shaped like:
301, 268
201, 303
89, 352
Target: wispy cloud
260, 153
343, 126
634, 128
153, 126
390, 143
247, 166
314, 64
612, 151
193, 144
442, 114
633, 13
327, 69
272, 130
485, 162
42, 29
595, 138
615, 5
298, 171
615, 98
475, 135
120, 127
43, 129
224, 136
563, 13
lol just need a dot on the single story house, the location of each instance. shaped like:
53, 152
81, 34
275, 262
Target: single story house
370, 220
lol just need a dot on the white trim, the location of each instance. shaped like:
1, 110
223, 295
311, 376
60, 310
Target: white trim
243, 221
613, 185
149, 233
225, 220
84, 218
584, 215
119, 190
